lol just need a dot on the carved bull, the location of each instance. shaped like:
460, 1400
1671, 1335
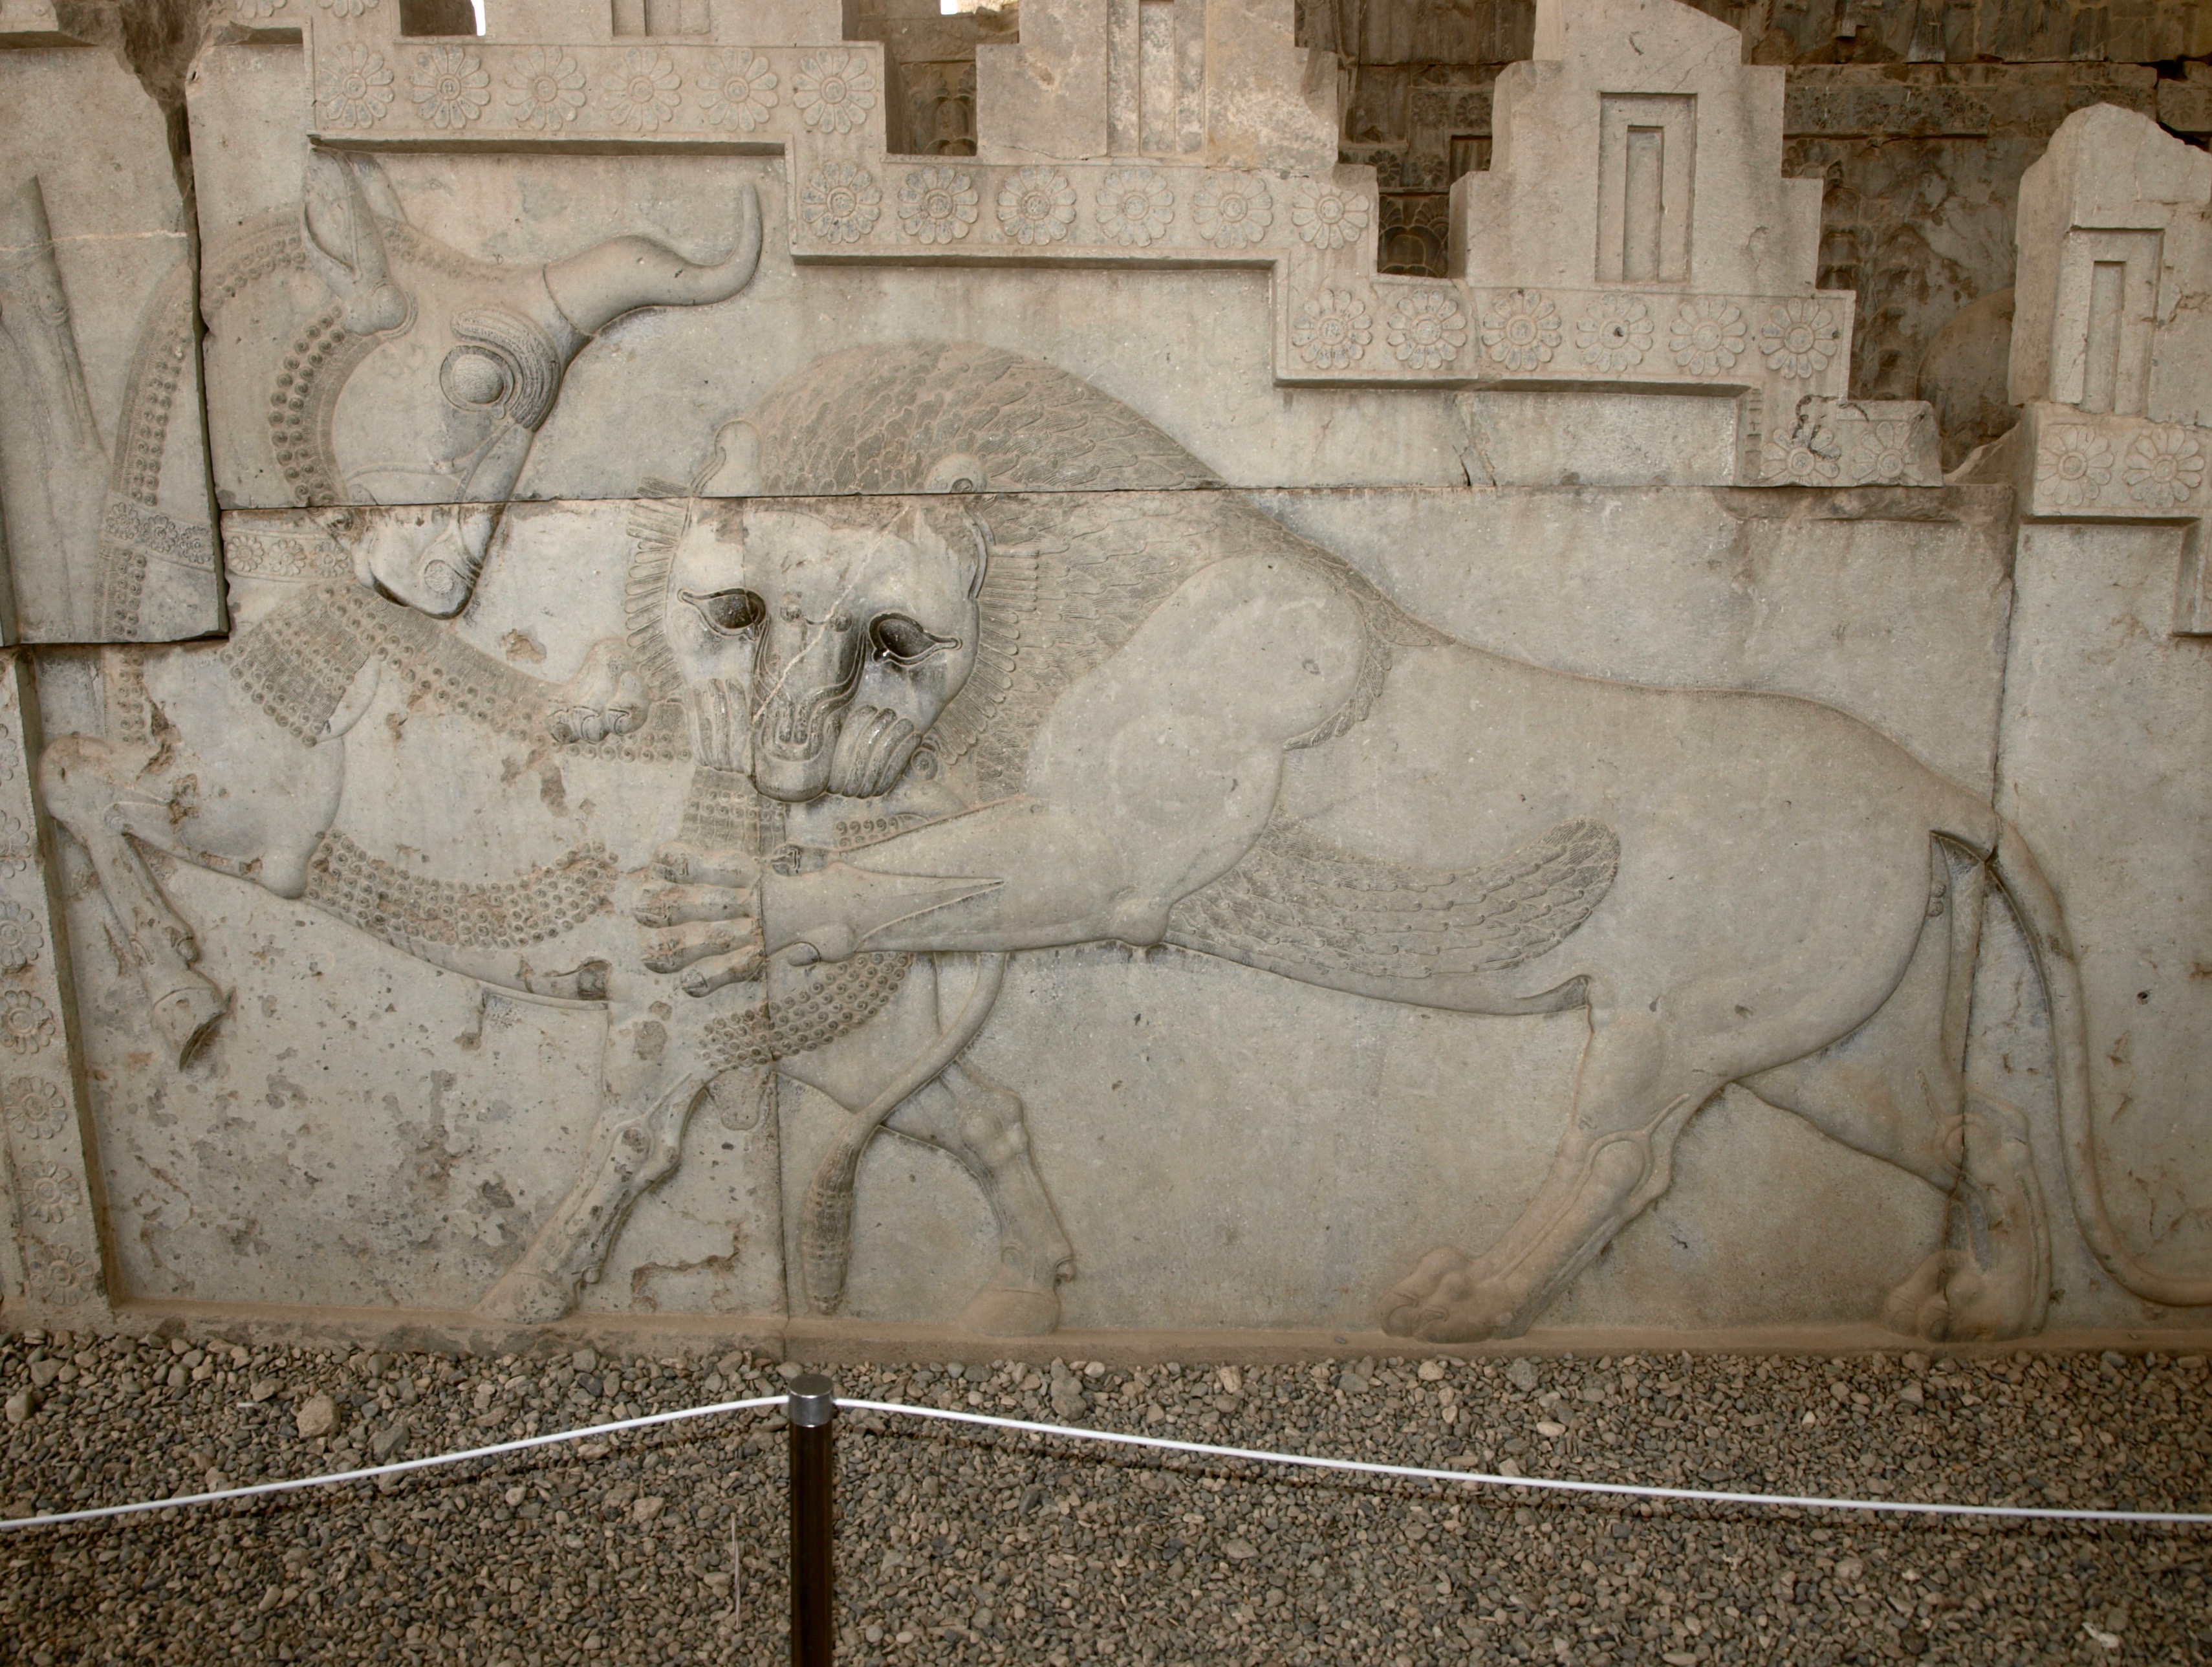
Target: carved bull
417, 378
336, 679
425, 379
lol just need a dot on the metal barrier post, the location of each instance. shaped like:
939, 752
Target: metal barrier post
811, 1406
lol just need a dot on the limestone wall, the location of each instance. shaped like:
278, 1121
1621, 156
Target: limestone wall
651, 687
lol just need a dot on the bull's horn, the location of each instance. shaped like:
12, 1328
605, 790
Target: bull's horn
597, 287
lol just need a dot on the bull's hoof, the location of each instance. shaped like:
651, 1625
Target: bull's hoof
999, 1311
1445, 1301
525, 1297
188, 1015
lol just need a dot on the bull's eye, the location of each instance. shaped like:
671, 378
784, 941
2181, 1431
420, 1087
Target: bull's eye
475, 377
727, 613
904, 641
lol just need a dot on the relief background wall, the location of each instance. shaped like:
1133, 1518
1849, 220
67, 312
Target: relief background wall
374, 1130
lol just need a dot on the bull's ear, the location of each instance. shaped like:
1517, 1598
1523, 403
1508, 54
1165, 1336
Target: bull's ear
734, 471
375, 188
345, 246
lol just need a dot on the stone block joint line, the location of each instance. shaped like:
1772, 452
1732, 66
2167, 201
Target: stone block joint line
1161, 1444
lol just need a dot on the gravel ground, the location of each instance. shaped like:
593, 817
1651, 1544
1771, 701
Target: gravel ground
985, 1548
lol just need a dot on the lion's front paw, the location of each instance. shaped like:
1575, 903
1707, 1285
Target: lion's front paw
1446, 1300
605, 697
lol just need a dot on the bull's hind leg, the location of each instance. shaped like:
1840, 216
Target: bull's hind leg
83, 782
218, 786
1630, 1107
1895, 1088
636, 1145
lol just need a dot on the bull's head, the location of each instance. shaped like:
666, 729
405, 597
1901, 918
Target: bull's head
440, 370
818, 653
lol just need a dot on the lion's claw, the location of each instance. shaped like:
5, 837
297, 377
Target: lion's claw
1445, 1301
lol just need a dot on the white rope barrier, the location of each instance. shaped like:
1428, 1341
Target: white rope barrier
370, 1472
1808, 1502
1163, 1444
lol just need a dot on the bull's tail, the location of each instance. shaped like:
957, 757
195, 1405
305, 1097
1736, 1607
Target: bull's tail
2037, 906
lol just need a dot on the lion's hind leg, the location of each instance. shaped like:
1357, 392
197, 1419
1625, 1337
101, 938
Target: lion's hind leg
1895, 1089
1631, 1105
983, 1127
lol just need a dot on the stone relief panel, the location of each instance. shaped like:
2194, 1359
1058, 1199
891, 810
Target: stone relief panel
895, 734
742, 644
103, 463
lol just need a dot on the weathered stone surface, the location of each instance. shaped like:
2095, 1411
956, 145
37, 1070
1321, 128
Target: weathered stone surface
1637, 147
1311, 799
2108, 790
2110, 308
52, 1204
103, 465
1220, 81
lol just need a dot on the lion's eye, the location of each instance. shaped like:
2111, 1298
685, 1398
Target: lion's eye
727, 613
904, 641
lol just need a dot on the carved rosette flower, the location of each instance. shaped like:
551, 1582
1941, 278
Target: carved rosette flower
738, 90
1617, 336
2165, 467
27, 1023
15, 846
1880, 454
937, 204
450, 85
1333, 331
35, 1107
257, 9
1036, 205
642, 91
834, 91
1799, 338
59, 1273
50, 1192
356, 87
1427, 330
2074, 464
21, 939
1814, 460
842, 202
1135, 206
545, 89
1328, 218
347, 8
1707, 336
1232, 210
1521, 330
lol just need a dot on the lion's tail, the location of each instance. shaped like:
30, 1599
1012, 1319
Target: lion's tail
2037, 906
